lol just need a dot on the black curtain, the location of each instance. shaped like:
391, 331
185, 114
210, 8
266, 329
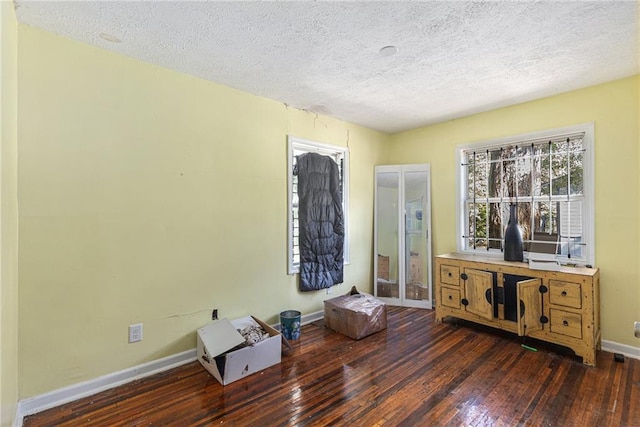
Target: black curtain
321, 221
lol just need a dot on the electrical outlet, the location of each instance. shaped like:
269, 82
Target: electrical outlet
214, 314
135, 332
636, 329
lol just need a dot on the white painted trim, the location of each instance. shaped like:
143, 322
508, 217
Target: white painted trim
312, 317
401, 171
305, 319
73, 392
588, 206
627, 350
295, 143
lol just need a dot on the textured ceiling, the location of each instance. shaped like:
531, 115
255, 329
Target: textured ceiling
454, 58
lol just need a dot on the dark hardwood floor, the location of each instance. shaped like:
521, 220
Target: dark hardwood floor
415, 373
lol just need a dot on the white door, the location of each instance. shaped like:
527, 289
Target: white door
402, 248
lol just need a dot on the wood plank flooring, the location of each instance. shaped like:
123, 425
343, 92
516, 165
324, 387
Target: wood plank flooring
415, 373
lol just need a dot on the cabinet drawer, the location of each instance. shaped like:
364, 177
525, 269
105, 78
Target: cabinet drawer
450, 297
450, 274
565, 323
565, 293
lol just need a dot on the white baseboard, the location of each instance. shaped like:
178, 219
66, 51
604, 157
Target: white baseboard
64, 395
312, 317
306, 318
33, 405
627, 350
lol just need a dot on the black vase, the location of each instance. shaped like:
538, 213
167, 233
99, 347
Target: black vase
513, 237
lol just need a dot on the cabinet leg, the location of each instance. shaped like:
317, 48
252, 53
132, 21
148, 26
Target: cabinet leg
589, 359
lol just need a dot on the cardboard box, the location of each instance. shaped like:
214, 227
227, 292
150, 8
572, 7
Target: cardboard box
415, 268
383, 267
219, 337
355, 316
386, 289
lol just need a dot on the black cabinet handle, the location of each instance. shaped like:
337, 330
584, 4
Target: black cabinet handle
465, 301
464, 276
449, 274
565, 323
564, 293
450, 297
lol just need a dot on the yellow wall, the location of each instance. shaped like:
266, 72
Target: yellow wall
151, 196
8, 216
614, 108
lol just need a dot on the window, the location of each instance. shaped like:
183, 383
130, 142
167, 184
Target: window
296, 147
548, 175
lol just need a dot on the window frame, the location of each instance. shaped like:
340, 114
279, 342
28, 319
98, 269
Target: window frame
295, 143
588, 205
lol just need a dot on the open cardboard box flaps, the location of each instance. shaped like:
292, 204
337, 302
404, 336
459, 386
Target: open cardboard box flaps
216, 349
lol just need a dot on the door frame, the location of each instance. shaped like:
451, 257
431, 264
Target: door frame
401, 300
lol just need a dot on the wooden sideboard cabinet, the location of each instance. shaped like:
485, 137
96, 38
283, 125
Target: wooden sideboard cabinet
560, 307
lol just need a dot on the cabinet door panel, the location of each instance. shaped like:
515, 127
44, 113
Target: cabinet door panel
476, 287
529, 306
